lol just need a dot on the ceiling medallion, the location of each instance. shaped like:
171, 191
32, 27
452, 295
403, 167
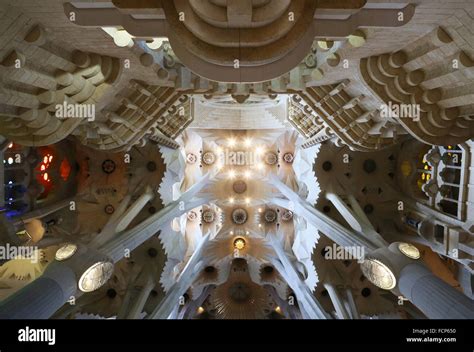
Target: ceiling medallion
96, 276
108, 166
65, 252
109, 209
239, 243
271, 158
151, 166
239, 186
287, 215
270, 216
409, 250
191, 158
239, 216
209, 158
192, 216
288, 158
208, 216
378, 273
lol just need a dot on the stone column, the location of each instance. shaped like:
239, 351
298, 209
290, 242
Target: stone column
134, 209
336, 301
170, 302
351, 306
290, 311
131, 239
43, 297
137, 305
310, 308
189, 311
433, 296
356, 218
122, 217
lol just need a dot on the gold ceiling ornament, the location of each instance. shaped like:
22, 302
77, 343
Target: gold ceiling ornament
65, 252
110, 297
208, 158
192, 216
239, 243
271, 158
223, 247
191, 158
409, 250
288, 158
96, 276
378, 273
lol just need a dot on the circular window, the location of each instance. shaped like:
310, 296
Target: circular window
270, 216
368, 209
379, 274
369, 166
208, 216
191, 158
287, 215
151, 166
288, 158
96, 276
209, 158
192, 216
239, 186
239, 216
65, 252
409, 250
109, 209
327, 166
365, 292
108, 166
152, 252
239, 243
271, 158
111, 293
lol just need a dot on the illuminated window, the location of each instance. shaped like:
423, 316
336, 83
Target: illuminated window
239, 243
425, 174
